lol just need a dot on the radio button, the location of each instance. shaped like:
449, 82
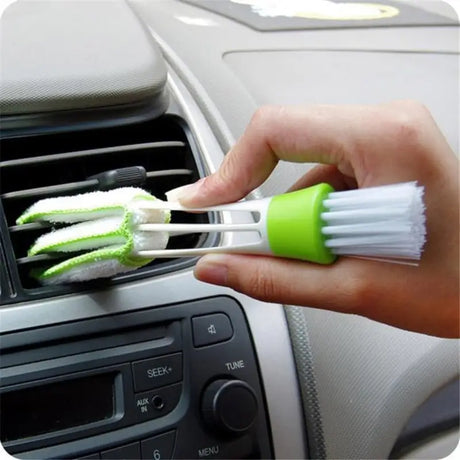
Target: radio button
156, 403
157, 372
209, 329
128, 452
159, 447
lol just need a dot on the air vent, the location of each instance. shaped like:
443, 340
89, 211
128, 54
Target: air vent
35, 166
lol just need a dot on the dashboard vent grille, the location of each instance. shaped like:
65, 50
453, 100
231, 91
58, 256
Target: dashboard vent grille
33, 167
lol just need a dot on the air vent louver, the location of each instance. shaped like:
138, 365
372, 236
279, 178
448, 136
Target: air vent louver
66, 163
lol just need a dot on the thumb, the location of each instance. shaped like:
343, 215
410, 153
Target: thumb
281, 280
371, 289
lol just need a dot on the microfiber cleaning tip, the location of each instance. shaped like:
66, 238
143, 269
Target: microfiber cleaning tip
105, 225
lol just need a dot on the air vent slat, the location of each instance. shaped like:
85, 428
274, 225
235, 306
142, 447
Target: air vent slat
90, 152
45, 192
160, 153
81, 186
169, 172
41, 258
29, 227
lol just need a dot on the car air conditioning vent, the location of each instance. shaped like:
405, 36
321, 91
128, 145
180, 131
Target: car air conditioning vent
36, 166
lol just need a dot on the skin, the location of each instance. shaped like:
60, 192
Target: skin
356, 146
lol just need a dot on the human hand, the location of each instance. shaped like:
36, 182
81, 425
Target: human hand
358, 146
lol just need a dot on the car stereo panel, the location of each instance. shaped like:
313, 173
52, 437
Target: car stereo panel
179, 381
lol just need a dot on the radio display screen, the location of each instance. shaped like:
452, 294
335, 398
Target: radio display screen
57, 406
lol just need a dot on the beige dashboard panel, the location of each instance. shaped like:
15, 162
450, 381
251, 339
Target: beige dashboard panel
71, 55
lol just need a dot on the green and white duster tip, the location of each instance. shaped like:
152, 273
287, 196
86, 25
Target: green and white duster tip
105, 225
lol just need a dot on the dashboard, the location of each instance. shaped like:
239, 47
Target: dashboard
153, 363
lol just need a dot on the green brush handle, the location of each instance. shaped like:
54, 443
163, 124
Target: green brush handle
294, 225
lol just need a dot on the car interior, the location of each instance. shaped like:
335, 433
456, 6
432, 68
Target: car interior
152, 363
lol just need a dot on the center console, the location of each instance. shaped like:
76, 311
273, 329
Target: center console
181, 381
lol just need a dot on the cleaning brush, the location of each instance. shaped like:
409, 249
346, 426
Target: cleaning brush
127, 228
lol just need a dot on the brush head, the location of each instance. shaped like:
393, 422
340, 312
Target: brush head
386, 222
317, 224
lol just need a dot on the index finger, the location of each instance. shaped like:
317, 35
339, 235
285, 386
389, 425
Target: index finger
321, 133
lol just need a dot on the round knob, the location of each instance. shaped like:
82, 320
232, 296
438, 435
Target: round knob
229, 406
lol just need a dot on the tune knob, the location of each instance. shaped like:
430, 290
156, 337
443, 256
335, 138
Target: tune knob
229, 406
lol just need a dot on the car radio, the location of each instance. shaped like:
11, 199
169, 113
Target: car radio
179, 381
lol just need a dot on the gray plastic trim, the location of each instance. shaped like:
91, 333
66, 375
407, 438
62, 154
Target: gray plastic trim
298, 331
370, 378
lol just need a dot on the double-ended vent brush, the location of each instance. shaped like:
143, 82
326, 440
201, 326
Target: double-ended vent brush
126, 228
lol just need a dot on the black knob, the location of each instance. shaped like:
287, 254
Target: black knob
229, 406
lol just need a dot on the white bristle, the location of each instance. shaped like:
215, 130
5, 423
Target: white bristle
387, 221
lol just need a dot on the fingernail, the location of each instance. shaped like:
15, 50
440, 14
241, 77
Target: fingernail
212, 269
185, 192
